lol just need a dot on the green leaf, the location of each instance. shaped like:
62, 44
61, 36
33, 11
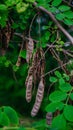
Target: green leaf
68, 14
68, 112
58, 74
53, 79
23, 70
60, 16
45, 27
39, 124
23, 54
7, 63
12, 115
30, 1
71, 96
59, 122
61, 81
3, 7
47, 35
52, 107
57, 96
21, 7
66, 77
68, 21
66, 87
11, 2
43, 45
15, 25
3, 18
4, 120
56, 2
15, 68
53, 9
63, 8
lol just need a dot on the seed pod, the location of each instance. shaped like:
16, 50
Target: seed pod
30, 47
39, 97
49, 117
35, 63
30, 72
29, 89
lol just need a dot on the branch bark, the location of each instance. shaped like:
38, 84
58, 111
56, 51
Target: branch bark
55, 21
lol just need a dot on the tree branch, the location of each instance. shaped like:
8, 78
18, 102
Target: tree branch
56, 22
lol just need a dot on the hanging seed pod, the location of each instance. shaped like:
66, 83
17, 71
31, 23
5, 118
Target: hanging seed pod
41, 66
29, 89
49, 117
30, 72
30, 47
5, 36
39, 97
35, 64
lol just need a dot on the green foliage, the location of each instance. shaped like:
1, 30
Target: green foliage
59, 122
53, 79
59, 101
52, 107
28, 20
8, 116
68, 112
56, 2
21, 7
57, 96
12, 115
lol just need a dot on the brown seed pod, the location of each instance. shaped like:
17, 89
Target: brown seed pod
39, 97
30, 72
49, 117
29, 89
35, 63
30, 47
5, 36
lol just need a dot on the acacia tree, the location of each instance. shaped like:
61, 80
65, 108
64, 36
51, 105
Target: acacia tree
36, 47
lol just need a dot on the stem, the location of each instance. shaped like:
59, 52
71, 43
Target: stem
68, 97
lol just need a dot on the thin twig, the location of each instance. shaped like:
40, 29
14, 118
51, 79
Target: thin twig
25, 38
59, 60
55, 69
66, 52
68, 3
31, 24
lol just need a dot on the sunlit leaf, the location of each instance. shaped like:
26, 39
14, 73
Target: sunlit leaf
52, 107
68, 112
56, 2
57, 96
59, 122
12, 115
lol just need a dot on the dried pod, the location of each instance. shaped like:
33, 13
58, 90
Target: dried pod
30, 72
29, 89
49, 117
39, 97
35, 61
5, 36
18, 61
30, 47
